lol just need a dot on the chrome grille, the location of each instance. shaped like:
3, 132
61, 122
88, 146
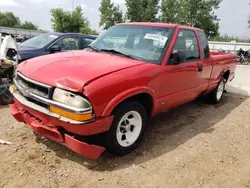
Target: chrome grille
27, 85
41, 94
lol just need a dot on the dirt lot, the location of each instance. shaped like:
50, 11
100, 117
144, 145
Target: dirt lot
195, 145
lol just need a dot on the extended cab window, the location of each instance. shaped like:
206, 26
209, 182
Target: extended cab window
187, 42
204, 44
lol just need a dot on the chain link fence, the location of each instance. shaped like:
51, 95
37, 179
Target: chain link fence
228, 46
17, 31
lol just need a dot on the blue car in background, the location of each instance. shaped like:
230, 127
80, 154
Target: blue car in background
49, 43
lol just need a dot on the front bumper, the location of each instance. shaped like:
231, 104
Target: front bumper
48, 127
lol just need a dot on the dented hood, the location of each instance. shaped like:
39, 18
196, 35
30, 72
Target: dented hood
73, 70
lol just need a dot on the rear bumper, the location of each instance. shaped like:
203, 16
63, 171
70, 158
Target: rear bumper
48, 127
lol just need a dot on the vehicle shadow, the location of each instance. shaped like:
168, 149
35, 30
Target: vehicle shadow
165, 133
236, 90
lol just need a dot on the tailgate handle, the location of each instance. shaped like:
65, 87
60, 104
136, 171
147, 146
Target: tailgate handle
200, 68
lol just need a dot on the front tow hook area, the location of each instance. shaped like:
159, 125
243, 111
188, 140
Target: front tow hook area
82, 148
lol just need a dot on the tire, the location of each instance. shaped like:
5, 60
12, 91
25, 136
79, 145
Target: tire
127, 129
6, 99
216, 96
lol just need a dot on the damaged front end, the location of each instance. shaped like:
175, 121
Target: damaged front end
59, 115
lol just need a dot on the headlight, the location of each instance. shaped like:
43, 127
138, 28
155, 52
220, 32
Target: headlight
70, 99
82, 107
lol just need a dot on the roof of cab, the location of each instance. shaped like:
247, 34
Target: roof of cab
158, 25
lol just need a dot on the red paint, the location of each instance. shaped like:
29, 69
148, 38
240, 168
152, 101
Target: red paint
107, 80
98, 126
52, 133
76, 68
216, 53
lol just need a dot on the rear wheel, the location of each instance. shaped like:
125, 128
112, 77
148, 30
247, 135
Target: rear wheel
216, 96
127, 128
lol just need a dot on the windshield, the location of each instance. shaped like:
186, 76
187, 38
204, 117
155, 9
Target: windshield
140, 42
39, 41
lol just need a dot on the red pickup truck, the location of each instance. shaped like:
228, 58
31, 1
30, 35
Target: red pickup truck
129, 74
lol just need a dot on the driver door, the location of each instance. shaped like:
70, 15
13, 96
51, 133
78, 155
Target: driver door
67, 44
179, 82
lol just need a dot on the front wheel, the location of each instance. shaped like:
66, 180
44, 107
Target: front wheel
216, 96
127, 128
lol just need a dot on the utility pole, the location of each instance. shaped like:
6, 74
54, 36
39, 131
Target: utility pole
73, 3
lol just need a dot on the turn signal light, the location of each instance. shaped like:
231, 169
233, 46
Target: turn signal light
70, 115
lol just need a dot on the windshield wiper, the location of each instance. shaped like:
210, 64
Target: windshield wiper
94, 48
119, 53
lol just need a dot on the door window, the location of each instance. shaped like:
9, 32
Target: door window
204, 44
88, 41
67, 44
84, 42
187, 42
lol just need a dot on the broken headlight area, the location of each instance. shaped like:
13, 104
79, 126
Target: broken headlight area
73, 106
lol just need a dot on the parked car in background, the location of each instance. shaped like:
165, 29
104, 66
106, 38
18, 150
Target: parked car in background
22, 38
49, 43
127, 75
8, 52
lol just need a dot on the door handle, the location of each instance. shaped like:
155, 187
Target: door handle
200, 68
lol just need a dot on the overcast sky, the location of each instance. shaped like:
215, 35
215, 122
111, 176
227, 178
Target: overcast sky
233, 13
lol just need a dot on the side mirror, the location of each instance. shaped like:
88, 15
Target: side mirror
177, 57
55, 49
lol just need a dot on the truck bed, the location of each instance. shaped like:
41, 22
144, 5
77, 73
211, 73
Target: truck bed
223, 61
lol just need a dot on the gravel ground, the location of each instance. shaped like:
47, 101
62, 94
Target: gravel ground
195, 145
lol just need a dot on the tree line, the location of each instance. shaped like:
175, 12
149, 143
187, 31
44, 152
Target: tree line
8, 19
196, 13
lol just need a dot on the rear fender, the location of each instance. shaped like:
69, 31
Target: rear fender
126, 95
224, 70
